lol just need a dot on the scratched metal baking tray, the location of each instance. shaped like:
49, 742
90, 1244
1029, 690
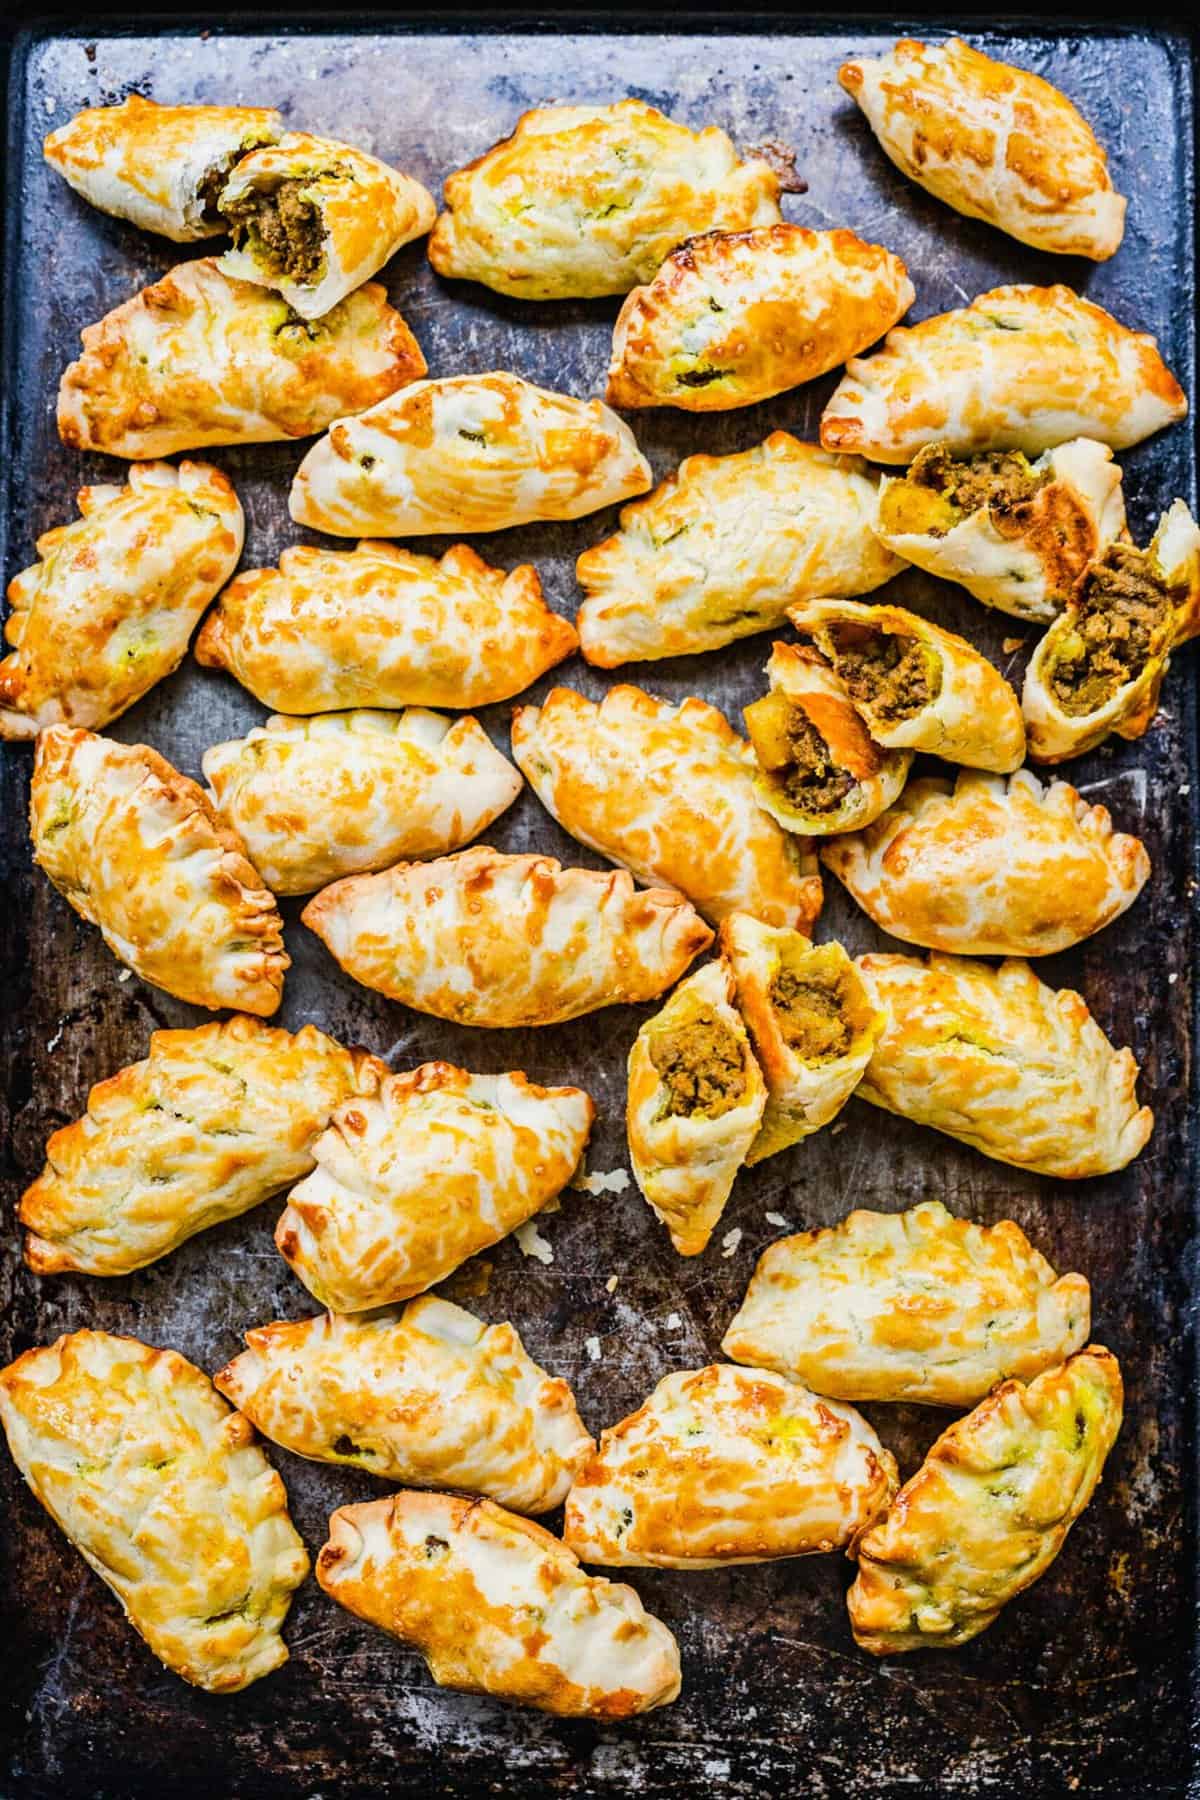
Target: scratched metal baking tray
1083, 1686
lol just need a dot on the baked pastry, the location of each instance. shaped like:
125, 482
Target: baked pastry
429, 1396
1020, 368
162, 1489
410, 1182
733, 317
136, 849
467, 453
695, 1101
108, 608
211, 1123
668, 791
724, 1465
380, 626
587, 200
316, 799
988, 1510
990, 867
997, 1059
495, 1605
916, 1306
993, 141
199, 359
811, 1023
483, 938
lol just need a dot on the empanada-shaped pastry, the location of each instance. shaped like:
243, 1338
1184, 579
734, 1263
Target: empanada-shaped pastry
991, 867
725, 546
108, 609
315, 799
199, 359
211, 1123
314, 219
136, 849
988, 1510
992, 141
413, 1180
488, 939
430, 1396
380, 626
997, 1059
495, 1605
467, 453
1020, 368
162, 1489
668, 791
1016, 534
694, 1105
916, 1306
587, 200
917, 686
734, 317
161, 167
811, 1022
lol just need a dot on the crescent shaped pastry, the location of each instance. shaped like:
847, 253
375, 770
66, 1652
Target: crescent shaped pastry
994, 142
1002, 1062
467, 453
429, 1396
495, 1605
136, 849
199, 359
725, 546
413, 1180
582, 201
733, 317
1020, 368
988, 1510
482, 938
164, 1492
107, 610
669, 792
916, 1306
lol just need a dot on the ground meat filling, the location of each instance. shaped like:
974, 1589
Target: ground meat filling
883, 671
1119, 621
284, 227
209, 189
1001, 479
701, 1067
795, 756
810, 1015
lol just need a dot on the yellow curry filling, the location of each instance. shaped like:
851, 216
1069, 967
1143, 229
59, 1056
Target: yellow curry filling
894, 677
283, 229
941, 490
818, 1004
701, 1066
795, 757
1119, 621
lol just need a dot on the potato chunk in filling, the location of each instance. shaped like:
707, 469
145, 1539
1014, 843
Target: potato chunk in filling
797, 758
1120, 619
701, 1066
282, 228
888, 674
1001, 479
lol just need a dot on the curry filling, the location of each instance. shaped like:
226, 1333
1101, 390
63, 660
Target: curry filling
284, 229
1001, 479
889, 674
701, 1067
810, 1012
792, 752
1120, 620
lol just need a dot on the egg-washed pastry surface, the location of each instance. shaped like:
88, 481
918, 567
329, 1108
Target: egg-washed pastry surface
732, 318
467, 453
107, 610
495, 1605
199, 359
916, 1306
163, 1490
136, 849
485, 938
988, 1510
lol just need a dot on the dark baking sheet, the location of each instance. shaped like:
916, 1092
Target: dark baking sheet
1083, 1685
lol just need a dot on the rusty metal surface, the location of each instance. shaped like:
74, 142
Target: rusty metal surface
1082, 1686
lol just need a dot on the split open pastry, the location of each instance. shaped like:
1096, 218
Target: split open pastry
316, 799
734, 317
495, 1605
994, 142
413, 1180
483, 938
467, 453
994, 1057
917, 1306
107, 610
137, 850
582, 201
669, 792
163, 1490
199, 359
988, 1510
1020, 368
